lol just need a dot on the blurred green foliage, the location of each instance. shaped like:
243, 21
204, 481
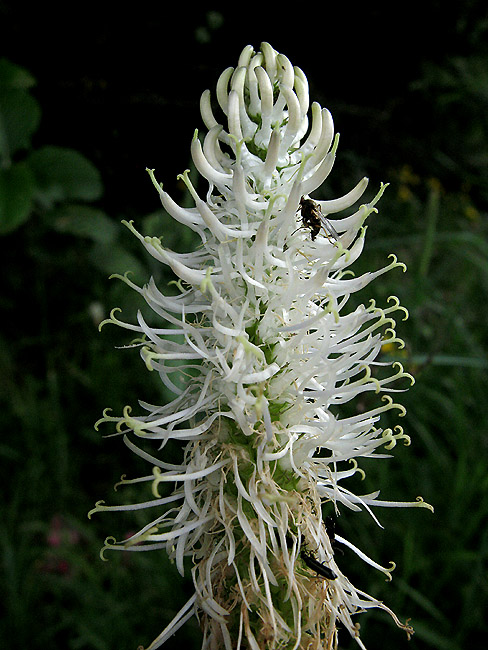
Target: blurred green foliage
58, 374
40, 178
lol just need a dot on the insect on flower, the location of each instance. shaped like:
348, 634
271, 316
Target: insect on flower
319, 568
313, 219
330, 526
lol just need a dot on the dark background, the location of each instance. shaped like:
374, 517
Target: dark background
407, 85
121, 82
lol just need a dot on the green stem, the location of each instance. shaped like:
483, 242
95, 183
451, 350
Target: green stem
432, 213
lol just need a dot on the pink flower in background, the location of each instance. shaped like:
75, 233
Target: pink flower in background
60, 539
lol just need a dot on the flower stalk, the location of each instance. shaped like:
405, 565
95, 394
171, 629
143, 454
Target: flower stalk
260, 351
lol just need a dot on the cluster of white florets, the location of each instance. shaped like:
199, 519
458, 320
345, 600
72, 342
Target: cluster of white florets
260, 351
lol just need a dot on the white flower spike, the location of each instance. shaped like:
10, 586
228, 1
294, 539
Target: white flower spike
266, 354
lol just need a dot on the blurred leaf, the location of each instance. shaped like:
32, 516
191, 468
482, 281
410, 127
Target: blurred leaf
153, 223
16, 193
450, 360
14, 76
19, 118
64, 174
116, 259
434, 638
84, 221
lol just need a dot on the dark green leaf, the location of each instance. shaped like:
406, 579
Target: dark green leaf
16, 192
84, 221
115, 259
19, 118
64, 174
14, 76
